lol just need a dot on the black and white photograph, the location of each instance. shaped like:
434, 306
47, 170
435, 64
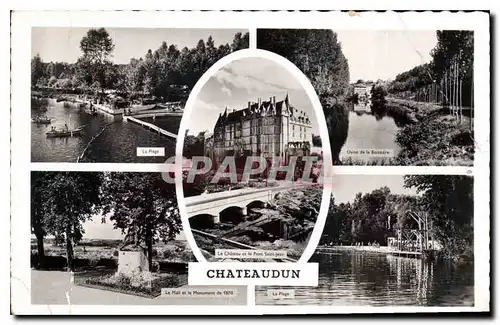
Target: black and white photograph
389, 97
116, 94
394, 240
111, 238
249, 162
253, 140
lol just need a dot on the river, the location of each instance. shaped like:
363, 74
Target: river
348, 278
117, 143
369, 131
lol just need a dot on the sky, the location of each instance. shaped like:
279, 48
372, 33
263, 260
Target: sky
63, 43
345, 187
374, 55
96, 230
246, 80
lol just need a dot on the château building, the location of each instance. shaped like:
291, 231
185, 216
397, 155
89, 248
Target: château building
263, 128
363, 91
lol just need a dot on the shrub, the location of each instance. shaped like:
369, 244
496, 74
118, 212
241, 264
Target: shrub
187, 256
167, 253
122, 280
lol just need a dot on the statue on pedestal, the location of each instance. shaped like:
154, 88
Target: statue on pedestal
132, 239
132, 258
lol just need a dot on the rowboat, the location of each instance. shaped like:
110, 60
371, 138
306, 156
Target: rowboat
92, 112
41, 120
64, 134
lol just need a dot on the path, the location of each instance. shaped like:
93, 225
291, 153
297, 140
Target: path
50, 287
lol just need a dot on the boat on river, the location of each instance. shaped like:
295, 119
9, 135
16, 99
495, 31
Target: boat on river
91, 111
41, 120
63, 133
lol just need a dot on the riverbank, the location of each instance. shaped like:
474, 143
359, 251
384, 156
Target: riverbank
437, 139
462, 259
372, 249
285, 223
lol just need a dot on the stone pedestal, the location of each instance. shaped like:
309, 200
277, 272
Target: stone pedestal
130, 262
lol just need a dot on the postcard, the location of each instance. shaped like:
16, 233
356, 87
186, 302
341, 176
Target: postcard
250, 162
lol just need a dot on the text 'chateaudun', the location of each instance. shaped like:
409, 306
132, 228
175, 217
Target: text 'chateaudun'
253, 274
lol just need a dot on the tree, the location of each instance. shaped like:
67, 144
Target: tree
151, 77
70, 199
97, 47
455, 52
450, 201
136, 73
365, 219
337, 228
39, 183
316, 140
142, 201
378, 100
194, 145
240, 41
337, 123
452, 45
412, 80
37, 70
318, 54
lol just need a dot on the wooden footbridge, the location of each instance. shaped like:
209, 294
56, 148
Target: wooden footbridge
150, 126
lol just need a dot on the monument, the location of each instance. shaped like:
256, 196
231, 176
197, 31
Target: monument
132, 258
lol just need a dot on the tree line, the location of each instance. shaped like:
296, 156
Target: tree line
62, 201
372, 217
158, 73
451, 69
318, 54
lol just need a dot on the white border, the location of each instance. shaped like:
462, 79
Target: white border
323, 131
22, 22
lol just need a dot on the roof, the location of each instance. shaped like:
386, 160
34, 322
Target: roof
263, 108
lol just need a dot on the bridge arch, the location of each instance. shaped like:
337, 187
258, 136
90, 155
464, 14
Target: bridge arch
256, 204
232, 214
202, 221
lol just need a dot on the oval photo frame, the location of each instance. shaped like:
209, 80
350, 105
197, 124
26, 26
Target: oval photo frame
320, 118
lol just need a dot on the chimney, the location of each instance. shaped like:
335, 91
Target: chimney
260, 103
274, 100
248, 105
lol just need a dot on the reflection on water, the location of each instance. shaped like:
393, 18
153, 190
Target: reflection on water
373, 279
117, 143
371, 128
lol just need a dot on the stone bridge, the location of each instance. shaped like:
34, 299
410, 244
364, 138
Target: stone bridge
207, 209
